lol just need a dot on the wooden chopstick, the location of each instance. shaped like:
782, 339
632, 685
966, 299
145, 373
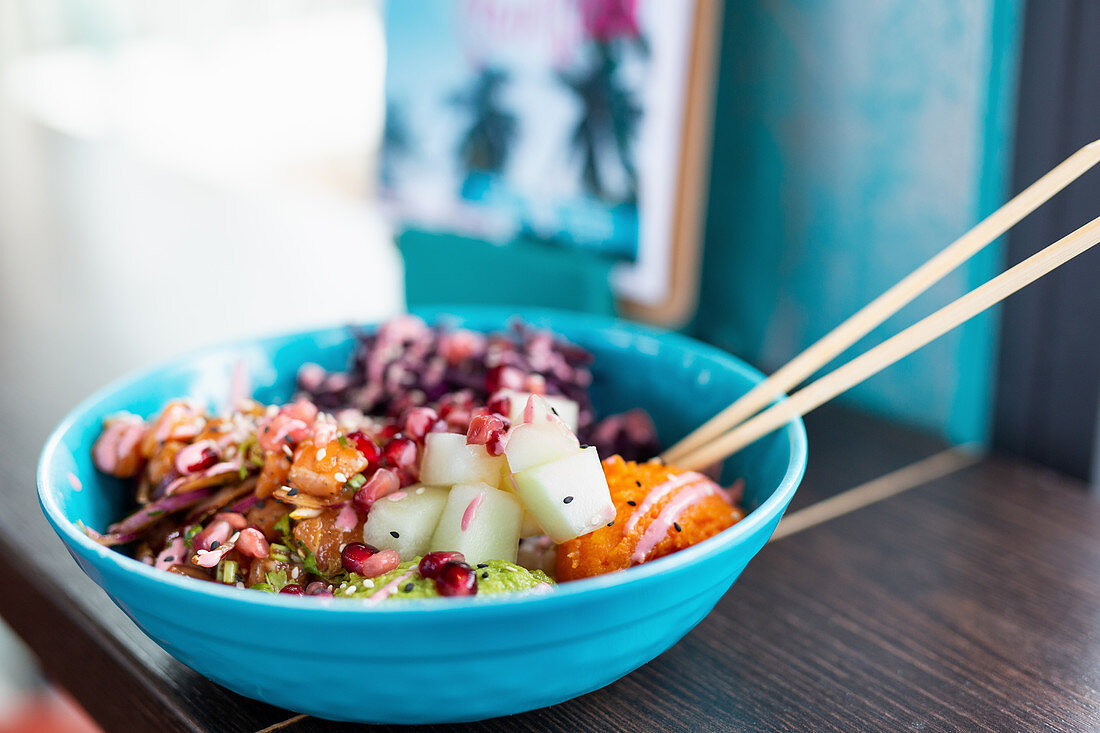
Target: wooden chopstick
874, 360
878, 310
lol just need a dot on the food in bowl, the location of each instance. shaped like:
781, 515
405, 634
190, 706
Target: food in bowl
443, 462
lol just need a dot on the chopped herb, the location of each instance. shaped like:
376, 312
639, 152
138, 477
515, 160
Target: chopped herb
242, 474
342, 441
277, 580
227, 573
189, 535
357, 480
154, 513
283, 525
262, 586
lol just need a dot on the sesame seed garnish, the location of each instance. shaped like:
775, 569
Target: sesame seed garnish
420, 490
638, 483
482, 565
215, 545
170, 558
341, 478
292, 492
350, 590
485, 574
632, 503
408, 587
368, 583
567, 499
677, 526
289, 453
611, 523
394, 534
584, 446
321, 454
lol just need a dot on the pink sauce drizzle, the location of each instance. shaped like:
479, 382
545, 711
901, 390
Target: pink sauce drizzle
387, 590
660, 492
471, 511
672, 511
74, 481
347, 518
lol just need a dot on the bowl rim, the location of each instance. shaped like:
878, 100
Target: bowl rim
79, 542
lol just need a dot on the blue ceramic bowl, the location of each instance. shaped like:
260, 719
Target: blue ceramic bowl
479, 657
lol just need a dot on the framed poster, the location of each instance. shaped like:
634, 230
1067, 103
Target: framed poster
579, 124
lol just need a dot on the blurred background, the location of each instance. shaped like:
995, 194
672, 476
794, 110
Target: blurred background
174, 174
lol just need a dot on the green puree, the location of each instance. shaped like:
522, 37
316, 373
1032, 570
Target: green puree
502, 577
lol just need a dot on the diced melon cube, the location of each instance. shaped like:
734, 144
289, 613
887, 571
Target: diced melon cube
530, 526
533, 444
448, 460
569, 497
481, 522
405, 520
566, 409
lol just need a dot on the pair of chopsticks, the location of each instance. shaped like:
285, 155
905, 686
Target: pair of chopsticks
742, 423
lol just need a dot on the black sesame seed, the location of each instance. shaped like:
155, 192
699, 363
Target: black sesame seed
632, 503
292, 492
638, 483
677, 526
567, 499
485, 574
215, 545
261, 504
170, 558
408, 587
584, 445
394, 534
482, 565
554, 410
611, 523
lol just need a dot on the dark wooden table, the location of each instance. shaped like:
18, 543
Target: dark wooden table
916, 587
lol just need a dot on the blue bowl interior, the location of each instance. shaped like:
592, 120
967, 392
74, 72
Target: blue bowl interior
676, 405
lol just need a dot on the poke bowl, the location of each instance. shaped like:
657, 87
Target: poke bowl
480, 657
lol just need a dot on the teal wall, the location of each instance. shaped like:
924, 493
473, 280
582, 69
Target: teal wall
853, 140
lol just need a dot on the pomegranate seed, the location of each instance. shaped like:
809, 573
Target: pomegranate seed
355, 554
293, 589
388, 432
236, 520
383, 482
500, 403
433, 562
366, 446
456, 579
318, 588
503, 376
253, 543
401, 452
218, 531
368, 561
419, 421
207, 458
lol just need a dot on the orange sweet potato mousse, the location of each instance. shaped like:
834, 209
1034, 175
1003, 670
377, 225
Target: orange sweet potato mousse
659, 510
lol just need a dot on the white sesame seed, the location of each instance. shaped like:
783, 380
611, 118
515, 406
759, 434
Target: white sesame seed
239, 584
296, 572
368, 583
351, 589
341, 478
321, 455
236, 536
420, 490
286, 449
201, 552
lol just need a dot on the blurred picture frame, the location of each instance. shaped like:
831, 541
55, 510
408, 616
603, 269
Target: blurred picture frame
574, 128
